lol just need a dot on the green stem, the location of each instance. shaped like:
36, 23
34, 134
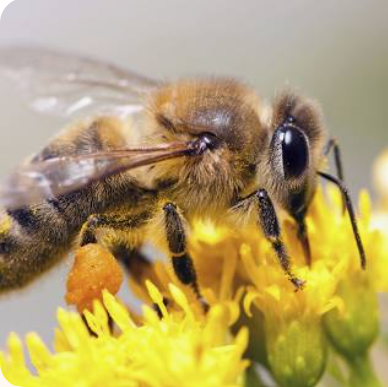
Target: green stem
362, 373
252, 379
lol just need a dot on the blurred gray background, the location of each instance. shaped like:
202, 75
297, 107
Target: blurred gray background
335, 51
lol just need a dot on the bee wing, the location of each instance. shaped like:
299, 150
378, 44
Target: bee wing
65, 84
34, 182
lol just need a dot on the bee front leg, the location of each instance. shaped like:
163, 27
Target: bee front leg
268, 221
181, 261
333, 146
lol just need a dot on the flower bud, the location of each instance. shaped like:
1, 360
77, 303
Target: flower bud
352, 330
297, 351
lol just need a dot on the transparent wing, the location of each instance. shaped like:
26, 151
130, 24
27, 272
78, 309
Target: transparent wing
34, 182
65, 84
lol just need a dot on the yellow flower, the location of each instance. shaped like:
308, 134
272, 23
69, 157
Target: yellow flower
335, 258
176, 350
176, 344
286, 328
289, 322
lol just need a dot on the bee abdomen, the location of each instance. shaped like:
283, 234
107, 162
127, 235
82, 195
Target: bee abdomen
24, 217
32, 239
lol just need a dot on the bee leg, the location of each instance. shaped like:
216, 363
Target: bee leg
137, 265
123, 254
181, 261
134, 262
303, 235
268, 221
95, 222
333, 146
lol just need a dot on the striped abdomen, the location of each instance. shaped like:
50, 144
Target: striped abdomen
33, 238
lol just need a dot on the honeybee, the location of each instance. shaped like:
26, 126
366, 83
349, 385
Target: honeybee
151, 153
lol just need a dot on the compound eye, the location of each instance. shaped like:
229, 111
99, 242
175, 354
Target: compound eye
295, 152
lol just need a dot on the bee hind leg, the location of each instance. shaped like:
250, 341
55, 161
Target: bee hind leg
96, 222
176, 238
134, 262
137, 265
181, 261
131, 259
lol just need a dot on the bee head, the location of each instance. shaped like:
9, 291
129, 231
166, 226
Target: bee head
295, 151
222, 115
